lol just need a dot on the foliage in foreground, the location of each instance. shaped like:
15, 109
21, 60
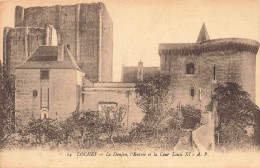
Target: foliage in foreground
161, 122
6, 105
237, 116
83, 129
191, 116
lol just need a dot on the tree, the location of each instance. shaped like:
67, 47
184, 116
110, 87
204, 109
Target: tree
112, 120
236, 115
152, 96
191, 116
44, 131
7, 91
83, 128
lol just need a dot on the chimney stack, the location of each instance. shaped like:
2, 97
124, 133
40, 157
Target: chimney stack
140, 71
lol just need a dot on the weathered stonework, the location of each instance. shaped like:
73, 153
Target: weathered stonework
20, 42
215, 62
59, 94
120, 93
86, 29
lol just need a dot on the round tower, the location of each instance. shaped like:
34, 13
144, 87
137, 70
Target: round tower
196, 68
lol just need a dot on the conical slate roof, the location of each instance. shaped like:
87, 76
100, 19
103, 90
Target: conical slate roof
203, 36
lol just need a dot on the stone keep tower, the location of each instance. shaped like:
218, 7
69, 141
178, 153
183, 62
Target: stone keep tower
195, 68
21, 42
86, 30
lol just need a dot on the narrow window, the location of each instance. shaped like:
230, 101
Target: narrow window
35, 93
44, 75
37, 37
190, 68
192, 91
214, 72
45, 116
83, 98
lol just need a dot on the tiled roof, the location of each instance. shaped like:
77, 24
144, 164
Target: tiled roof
46, 57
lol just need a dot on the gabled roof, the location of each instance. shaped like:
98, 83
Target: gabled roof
50, 57
203, 35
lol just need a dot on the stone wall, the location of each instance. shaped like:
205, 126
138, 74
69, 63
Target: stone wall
106, 47
21, 42
62, 99
107, 94
86, 29
26, 104
231, 64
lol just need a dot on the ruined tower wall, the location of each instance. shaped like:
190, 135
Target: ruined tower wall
89, 40
86, 29
20, 42
107, 46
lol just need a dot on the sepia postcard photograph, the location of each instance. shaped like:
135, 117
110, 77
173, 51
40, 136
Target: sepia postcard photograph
129, 83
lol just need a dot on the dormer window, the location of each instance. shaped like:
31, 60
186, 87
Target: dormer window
190, 68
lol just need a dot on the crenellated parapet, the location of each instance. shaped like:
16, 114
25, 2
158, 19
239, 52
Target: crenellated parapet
218, 45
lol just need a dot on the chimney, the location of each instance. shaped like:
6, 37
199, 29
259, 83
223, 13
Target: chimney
140, 71
61, 53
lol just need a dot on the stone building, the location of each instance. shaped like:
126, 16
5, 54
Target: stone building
62, 59
99, 94
86, 30
48, 84
196, 68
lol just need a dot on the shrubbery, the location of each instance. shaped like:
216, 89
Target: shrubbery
238, 124
83, 129
191, 116
161, 123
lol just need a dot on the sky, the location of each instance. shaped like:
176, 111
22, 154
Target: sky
140, 25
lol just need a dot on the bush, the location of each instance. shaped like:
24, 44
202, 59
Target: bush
191, 116
83, 129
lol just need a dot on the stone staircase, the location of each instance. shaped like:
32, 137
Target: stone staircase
185, 142
200, 139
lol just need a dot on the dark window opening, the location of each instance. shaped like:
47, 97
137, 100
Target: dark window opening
45, 116
214, 72
190, 68
68, 46
83, 98
37, 37
44, 75
35, 93
192, 91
